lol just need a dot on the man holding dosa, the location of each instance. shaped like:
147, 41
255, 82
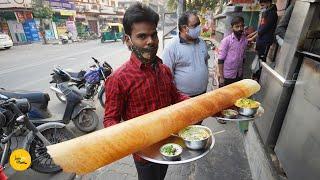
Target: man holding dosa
143, 84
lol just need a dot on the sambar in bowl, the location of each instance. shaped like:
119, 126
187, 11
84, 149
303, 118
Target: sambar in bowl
195, 137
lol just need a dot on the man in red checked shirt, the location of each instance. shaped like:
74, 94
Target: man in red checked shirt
142, 84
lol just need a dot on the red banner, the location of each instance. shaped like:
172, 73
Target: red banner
22, 16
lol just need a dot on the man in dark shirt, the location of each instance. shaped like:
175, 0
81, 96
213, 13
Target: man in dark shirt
143, 84
265, 34
267, 26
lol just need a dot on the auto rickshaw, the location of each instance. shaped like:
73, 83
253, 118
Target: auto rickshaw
112, 32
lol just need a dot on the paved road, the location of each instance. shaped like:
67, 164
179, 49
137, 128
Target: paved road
28, 67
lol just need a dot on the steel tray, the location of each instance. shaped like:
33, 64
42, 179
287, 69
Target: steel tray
240, 117
152, 153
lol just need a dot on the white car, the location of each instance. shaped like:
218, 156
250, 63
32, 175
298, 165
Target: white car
5, 41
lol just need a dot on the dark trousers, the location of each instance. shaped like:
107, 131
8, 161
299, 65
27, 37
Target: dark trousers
151, 171
262, 51
228, 81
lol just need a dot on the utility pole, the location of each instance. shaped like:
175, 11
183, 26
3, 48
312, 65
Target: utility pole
43, 32
181, 7
180, 10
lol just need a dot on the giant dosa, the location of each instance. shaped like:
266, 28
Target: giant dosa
92, 151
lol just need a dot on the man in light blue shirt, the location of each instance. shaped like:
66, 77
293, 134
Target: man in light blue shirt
187, 57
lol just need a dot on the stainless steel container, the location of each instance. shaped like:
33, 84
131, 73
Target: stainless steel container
230, 116
248, 111
175, 157
200, 144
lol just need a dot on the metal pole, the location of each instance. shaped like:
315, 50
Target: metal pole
180, 10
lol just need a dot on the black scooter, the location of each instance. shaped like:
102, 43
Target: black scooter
81, 113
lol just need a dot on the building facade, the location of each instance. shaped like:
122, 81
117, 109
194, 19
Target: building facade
17, 21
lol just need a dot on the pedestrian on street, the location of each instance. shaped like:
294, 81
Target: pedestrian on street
232, 54
143, 84
187, 57
265, 35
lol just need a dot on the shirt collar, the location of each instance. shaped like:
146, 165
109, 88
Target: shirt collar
183, 41
233, 36
134, 59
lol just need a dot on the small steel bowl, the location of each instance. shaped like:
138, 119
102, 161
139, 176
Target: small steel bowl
175, 157
248, 111
225, 115
197, 144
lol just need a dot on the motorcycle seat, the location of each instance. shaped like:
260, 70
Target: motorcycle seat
32, 96
77, 76
65, 87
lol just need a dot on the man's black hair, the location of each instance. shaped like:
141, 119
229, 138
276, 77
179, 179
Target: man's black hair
183, 20
136, 13
236, 20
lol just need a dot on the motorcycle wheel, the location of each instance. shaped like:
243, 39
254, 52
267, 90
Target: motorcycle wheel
41, 160
86, 121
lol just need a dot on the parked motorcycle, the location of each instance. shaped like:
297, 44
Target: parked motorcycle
92, 80
81, 113
64, 39
39, 101
13, 119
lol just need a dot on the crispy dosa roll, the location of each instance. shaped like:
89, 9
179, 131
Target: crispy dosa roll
89, 152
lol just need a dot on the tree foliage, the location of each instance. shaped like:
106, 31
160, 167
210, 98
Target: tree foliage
40, 10
172, 5
193, 5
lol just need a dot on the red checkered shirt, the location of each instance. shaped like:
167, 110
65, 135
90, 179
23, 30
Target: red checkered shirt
135, 89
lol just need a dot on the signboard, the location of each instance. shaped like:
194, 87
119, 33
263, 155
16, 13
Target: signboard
21, 16
30, 30
71, 26
62, 4
15, 4
4, 27
107, 9
67, 13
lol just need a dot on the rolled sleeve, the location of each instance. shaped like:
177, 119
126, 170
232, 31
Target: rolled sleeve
114, 102
223, 49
